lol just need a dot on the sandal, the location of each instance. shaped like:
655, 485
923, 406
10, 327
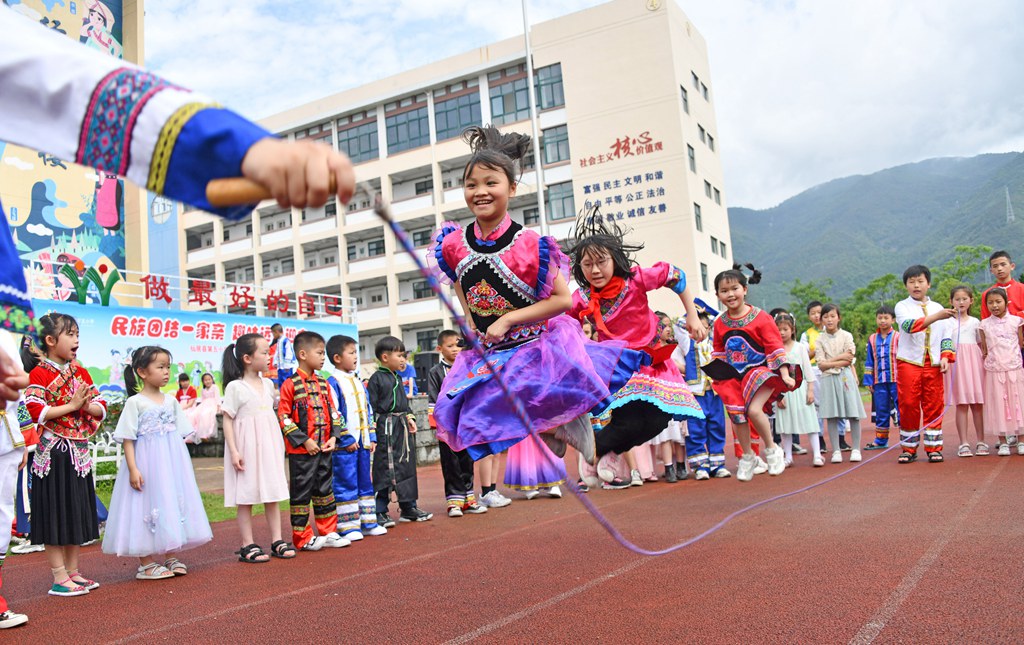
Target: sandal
281, 549
935, 458
176, 566
252, 553
964, 451
68, 588
982, 449
906, 457
84, 582
153, 571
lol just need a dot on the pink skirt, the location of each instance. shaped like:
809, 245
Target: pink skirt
1004, 407
964, 380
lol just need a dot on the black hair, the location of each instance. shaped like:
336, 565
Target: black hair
730, 275
785, 318
703, 316
183, 377
997, 291
336, 346
30, 353
812, 304
831, 307
232, 367
778, 310
1000, 254
662, 314
388, 344
52, 324
203, 378
492, 149
885, 309
961, 287
915, 271
142, 358
597, 235
276, 327
306, 340
445, 335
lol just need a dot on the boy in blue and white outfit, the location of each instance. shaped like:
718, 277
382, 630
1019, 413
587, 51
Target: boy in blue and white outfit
705, 440
284, 357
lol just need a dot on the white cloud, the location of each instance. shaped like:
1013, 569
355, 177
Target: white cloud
18, 163
39, 229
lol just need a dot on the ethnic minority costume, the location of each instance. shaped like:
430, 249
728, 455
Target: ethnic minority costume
167, 515
705, 438
880, 376
547, 365
305, 412
394, 460
353, 483
12, 447
63, 497
747, 356
456, 465
655, 394
918, 376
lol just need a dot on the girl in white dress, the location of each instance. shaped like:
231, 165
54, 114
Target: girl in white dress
795, 413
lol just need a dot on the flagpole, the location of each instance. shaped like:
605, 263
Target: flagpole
538, 152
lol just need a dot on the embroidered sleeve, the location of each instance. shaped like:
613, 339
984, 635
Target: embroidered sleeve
552, 263
295, 436
37, 400
775, 353
909, 322
947, 346
338, 425
445, 251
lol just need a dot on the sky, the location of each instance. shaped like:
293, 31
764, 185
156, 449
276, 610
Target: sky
805, 90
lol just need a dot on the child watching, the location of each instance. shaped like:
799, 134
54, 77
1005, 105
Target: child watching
880, 375
923, 355
186, 394
394, 460
312, 429
705, 439
1002, 267
456, 466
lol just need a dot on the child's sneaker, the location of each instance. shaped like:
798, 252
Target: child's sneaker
494, 499
837, 457
761, 467
606, 467
374, 530
747, 467
799, 450
27, 547
1004, 450
1020, 448
474, 508
615, 484
353, 536
531, 494
315, 544
819, 461
414, 514
383, 519
10, 619
334, 541
635, 478
670, 474
454, 511
701, 474
776, 458
555, 492
583, 485
722, 473
855, 456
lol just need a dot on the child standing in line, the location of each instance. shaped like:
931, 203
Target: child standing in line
204, 418
964, 385
312, 429
671, 442
155, 508
795, 411
749, 369
705, 439
13, 457
840, 394
394, 460
254, 448
880, 375
1002, 338
1001, 266
64, 405
284, 359
456, 467
924, 353
353, 485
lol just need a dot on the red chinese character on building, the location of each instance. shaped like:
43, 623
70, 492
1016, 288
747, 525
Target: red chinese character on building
119, 326
332, 306
201, 293
156, 288
155, 328
278, 301
621, 148
217, 331
137, 326
306, 304
241, 297
237, 331
202, 331
172, 328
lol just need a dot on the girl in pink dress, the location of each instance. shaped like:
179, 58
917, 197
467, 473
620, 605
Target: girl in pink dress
205, 418
963, 384
254, 445
1001, 340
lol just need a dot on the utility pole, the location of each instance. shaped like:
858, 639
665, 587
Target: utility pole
538, 153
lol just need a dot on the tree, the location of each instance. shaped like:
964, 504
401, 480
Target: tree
803, 292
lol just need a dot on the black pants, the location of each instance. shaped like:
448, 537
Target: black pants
633, 424
457, 470
312, 483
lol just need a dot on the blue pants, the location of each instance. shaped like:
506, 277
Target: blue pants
705, 441
282, 376
885, 406
21, 498
353, 491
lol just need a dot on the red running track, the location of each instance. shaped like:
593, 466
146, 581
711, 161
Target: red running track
891, 553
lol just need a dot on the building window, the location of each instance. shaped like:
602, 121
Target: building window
696, 80
288, 266
427, 185
360, 142
560, 203
704, 91
453, 116
353, 252
408, 130
421, 289
556, 144
426, 339
707, 189
421, 237
531, 216
693, 157
510, 102
718, 196
714, 245
377, 299
375, 248
686, 99
711, 142
550, 93
725, 253
704, 276
331, 210
697, 218
702, 134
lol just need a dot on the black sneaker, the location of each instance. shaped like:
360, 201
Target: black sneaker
845, 447
681, 472
414, 515
670, 475
385, 520
616, 484
582, 486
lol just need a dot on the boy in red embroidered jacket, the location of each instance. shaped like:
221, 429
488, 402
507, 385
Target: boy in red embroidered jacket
312, 428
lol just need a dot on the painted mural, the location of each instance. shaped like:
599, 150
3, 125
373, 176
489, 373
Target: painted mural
60, 212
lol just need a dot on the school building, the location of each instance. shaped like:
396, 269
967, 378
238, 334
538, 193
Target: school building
626, 116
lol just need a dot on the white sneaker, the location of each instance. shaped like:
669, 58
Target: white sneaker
1004, 450
722, 473
761, 467
27, 547
494, 499
789, 462
353, 536
531, 494
375, 531
315, 544
505, 500
10, 619
1020, 448
702, 474
555, 491
837, 457
746, 468
454, 511
334, 541
606, 468
776, 458
819, 461
855, 455
635, 479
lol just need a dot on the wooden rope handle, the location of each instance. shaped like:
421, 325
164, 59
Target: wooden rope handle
238, 191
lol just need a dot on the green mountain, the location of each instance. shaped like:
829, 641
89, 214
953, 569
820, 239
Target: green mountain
854, 229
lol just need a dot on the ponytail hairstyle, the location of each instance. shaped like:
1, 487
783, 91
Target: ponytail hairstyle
492, 149
30, 353
54, 324
232, 366
597, 236
142, 358
735, 274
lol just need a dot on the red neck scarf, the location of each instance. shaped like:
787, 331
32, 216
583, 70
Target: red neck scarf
610, 291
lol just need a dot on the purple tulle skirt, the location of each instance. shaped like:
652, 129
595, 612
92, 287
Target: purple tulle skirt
531, 465
558, 376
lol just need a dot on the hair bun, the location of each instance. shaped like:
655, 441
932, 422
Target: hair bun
513, 145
